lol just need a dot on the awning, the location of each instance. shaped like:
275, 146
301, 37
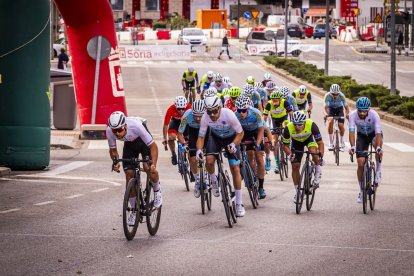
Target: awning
316, 12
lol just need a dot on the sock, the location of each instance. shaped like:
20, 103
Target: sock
331, 139
378, 166
341, 139
317, 168
213, 177
156, 186
261, 181
360, 185
267, 156
132, 201
239, 198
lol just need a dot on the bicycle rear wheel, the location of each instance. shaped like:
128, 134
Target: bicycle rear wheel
184, 170
252, 186
373, 192
132, 191
310, 197
225, 199
300, 191
153, 215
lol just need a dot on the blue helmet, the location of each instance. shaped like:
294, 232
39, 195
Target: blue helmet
363, 103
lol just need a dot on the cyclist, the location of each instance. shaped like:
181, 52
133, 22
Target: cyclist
227, 81
190, 123
254, 96
334, 104
234, 93
303, 97
138, 140
290, 99
367, 124
225, 132
172, 122
250, 80
301, 132
258, 86
189, 82
279, 109
218, 83
251, 121
207, 80
270, 88
266, 78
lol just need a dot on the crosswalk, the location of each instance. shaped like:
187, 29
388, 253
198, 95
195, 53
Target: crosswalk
360, 61
163, 62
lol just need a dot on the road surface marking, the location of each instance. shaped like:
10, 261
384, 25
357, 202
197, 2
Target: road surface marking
344, 61
66, 168
83, 179
100, 190
74, 196
165, 62
98, 144
214, 61
247, 61
44, 203
377, 61
131, 62
148, 62
198, 61
400, 147
9, 211
405, 71
182, 62
157, 102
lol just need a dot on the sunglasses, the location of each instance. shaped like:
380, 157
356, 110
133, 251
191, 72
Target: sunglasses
180, 109
234, 98
241, 110
219, 81
212, 111
197, 116
298, 125
118, 130
363, 111
335, 95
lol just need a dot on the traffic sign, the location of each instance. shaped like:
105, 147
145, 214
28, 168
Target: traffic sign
255, 14
378, 19
247, 15
260, 15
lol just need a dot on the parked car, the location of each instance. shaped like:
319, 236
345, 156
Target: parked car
258, 37
308, 30
59, 44
319, 31
193, 37
295, 30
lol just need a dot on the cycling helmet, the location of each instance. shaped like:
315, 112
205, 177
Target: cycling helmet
267, 77
212, 91
302, 90
242, 102
212, 102
285, 91
235, 92
198, 107
210, 74
226, 79
180, 102
248, 89
270, 85
276, 95
298, 118
116, 120
219, 77
250, 80
225, 92
363, 103
335, 89
190, 69
258, 85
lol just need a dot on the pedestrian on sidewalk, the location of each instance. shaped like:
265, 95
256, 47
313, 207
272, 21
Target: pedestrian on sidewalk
225, 46
63, 60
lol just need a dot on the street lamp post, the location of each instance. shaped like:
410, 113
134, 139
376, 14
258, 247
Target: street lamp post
327, 39
286, 29
412, 25
238, 18
393, 73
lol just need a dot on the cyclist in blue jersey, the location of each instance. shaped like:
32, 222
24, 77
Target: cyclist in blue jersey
334, 104
251, 121
254, 96
286, 94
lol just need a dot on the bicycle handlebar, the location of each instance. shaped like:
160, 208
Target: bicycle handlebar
135, 161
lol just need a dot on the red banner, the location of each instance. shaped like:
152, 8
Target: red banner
349, 9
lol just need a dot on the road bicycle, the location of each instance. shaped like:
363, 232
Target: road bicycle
227, 195
336, 148
368, 185
184, 166
143, 204
248, 174
205, 187
190, 94
305, 187
283, 159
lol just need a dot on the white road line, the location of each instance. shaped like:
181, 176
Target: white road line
405, 71
230, 61
148, 62
157, 102
66, 168
100, 190
148, 74
131, 62
116, 184
98, 144
361, 62
44, 203
181, 62
165, 62
214, 61
400, 147
198, 61
378, 62
74, 196
9, 211
344, 61
247, 61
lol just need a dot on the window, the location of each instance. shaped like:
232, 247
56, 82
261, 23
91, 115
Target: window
152, 5
259, 36
117, 5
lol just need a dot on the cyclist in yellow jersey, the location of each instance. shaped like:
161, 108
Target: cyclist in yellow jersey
303, 97
189, 82
279, 109
297, 134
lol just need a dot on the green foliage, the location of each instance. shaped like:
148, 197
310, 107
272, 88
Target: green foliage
159, 25
388, 101
177, 22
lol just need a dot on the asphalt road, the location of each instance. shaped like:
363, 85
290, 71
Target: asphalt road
67, 220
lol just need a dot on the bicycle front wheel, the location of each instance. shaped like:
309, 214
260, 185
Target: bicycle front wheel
373, 191
208, 191
310, 196
365, 186
336, 150
153, 215
130, 209
252, 186
202, 192
280, 163
300, 190
284, 162
225, 199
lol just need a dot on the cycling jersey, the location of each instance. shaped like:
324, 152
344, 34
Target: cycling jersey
219, 88
262, 93
310, 129
230, 104
252, 121
188, 120
226, 125
331, 102
204, 82
190, 77
277, 111
292, 101
302, 101
256, 99
370, 125
173, 113
134, 130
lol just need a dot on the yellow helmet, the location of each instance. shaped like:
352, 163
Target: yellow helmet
235, 92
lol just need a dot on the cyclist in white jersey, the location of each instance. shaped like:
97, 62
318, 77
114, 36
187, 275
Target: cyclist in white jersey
225, 132
137, 140
367, 125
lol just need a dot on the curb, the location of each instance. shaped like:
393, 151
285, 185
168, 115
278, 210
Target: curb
399, 120
4, 171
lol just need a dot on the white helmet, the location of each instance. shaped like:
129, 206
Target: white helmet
198, 107
248, 90
267, 77
210, 92
285, 91
298, 117
258, 85
302, 89
212, 102
226, 79
210, 74
243, 102
270, 85
190, 69
335, 89
180, 102
116, 120
219, 77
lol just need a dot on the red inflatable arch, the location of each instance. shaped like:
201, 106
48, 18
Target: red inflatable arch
85, 20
